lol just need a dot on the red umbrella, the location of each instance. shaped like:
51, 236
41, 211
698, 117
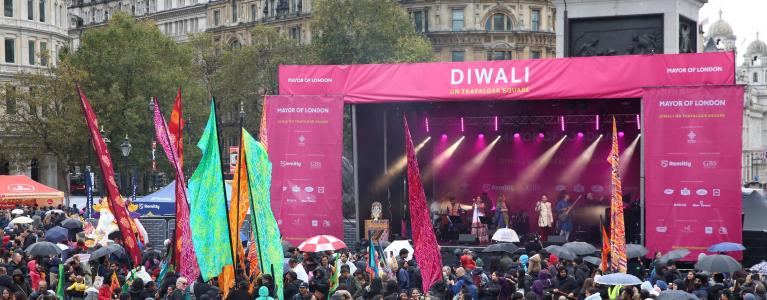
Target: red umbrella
321, 243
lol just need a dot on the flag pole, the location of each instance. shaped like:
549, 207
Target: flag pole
223, 183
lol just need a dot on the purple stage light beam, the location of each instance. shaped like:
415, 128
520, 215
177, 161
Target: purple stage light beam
462, 128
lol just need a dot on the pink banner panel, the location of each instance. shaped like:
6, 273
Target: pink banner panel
692, 139
537, 79
305, 144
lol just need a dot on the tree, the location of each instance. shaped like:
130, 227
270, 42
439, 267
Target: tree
366, 31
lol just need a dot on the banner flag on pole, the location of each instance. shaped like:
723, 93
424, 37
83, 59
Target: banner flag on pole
605, 263
208, 218
114, 199
176, 128
426, 251
618, 261
186, 258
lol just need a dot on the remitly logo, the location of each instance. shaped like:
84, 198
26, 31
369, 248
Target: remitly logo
285, 163
668, 163
489, 75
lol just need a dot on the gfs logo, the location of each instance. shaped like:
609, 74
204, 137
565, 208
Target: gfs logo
20, 187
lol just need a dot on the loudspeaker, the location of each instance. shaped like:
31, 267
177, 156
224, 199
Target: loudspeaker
557, 240
467, 239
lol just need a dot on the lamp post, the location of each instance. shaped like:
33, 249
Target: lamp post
125, 148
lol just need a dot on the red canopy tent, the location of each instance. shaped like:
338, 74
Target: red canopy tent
19, 189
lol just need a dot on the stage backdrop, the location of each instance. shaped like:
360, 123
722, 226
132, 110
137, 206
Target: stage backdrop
693, 147
305, 144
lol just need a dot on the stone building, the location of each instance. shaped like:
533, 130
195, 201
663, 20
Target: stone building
34, 33
753, 73
231, 20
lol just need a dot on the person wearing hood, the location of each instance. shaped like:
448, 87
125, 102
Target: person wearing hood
319, 281
20, 284
564, 284
542, 284
137, 291
241, 292
523, 261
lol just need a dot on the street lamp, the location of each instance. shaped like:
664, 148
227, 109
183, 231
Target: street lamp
125, 148
242, 113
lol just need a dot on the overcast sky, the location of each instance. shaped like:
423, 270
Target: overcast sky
746, 17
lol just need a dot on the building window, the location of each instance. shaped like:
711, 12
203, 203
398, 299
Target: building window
253, 12
457, 55
168, 4
234, 11
216, 17
498, 22
10, 46
42, 10
30, 9
535, 54
31, 53
756, 77
420, 20
535, 20
457, 15
295, 33
8, 8
179, 3
44, 53
10, 105
499, 55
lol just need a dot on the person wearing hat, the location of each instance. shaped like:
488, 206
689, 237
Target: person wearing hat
303, 292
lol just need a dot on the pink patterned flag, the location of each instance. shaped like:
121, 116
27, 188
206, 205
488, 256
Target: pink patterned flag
186, 259
426, 250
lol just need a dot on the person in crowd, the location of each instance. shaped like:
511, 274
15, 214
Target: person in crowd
181, 290
42, 290
298, 268
463, 281
303, 292
467, 261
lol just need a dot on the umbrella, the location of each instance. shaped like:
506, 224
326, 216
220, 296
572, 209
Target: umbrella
718, 263
676, 295
580, 248
17, 211
72, 224
22, 220
634, 250
115, 249
502, 247
674, 255
506, 235
62, 247
760, 268
593, 260
726, 247
43, 249
321, 243
56, 234
398, 245
54, 211
619, 279
561, 252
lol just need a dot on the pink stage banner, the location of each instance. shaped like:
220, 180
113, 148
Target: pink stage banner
561, 78
692, 138
305, 143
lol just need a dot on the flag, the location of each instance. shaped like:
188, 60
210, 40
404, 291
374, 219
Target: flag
115, 282
208, 219
60, 285
262, 218
253, 272
89, 193
176, 127
426, 251
336, 270
603, 265
114, 199
226, 280
618, 261
372, 261
262, 136
183, 253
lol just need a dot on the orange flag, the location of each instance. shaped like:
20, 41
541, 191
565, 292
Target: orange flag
605, 249
176, 127
618, 260
238, 209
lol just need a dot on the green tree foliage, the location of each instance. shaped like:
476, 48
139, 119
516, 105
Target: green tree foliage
366, 31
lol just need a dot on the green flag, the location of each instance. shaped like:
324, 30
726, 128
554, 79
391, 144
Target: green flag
262, 218
208, 219
60, 285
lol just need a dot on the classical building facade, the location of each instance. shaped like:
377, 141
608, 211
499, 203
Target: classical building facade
231, 20
463, 30
34, 32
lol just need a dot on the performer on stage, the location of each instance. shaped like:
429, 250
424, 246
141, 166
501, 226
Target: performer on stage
453, 209
479, 229
501, 212
563, 210
545, 218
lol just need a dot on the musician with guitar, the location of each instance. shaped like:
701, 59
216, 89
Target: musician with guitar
563, 210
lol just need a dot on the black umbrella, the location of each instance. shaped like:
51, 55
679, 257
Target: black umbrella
72, 224
718, 263
675, 295
56, 234
674, 255
502, 247
580, 248
43, 249
561, 252
593, 260
634, 250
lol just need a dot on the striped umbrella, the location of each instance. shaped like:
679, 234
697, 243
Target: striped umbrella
321, 243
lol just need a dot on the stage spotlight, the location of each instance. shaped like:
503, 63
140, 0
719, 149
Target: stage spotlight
462, 128
541, 135
496, 123
516, 135
397, 167
639, 124
444, 138
481, 136
532, 171
470, 168
426, 122
438, 162
621, 133
625, 158
562, 122
580, 135
596, 123
575, 170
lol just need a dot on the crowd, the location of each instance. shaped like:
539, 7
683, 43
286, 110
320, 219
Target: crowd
343, 275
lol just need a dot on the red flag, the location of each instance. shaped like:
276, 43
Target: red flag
618, 260
176, 128
114, 199
426, 250
605, 249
